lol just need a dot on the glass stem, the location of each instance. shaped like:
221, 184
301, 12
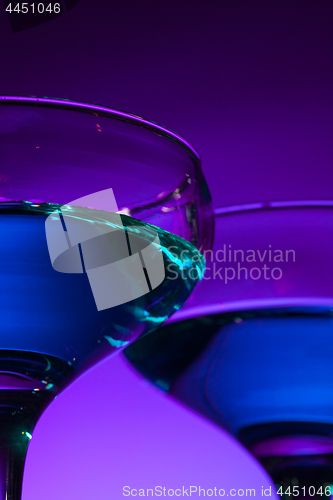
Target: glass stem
13, 450
12, 460
19, 412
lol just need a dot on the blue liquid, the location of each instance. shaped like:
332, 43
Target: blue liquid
54, 314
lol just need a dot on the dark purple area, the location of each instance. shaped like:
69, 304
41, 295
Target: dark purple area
70, 4
29, 15
249, 84
26, 15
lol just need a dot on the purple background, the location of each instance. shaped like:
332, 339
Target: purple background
249, 84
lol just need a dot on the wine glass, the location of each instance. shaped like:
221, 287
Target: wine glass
101, 212
252, 348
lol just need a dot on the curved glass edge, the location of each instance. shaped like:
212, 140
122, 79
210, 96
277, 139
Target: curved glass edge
87, 107
205, 215
175, 346
263, 205
253, 305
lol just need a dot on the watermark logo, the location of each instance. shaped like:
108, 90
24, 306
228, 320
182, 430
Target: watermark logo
228, 264
121, 264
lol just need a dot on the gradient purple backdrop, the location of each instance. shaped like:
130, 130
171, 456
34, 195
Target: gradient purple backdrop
249, 84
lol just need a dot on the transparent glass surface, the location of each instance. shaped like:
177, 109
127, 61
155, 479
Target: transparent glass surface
101, 215
251, 349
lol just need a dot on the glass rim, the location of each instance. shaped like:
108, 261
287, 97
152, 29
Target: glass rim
268, 205
216, 308
104, 111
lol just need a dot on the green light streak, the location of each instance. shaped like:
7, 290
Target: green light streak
114, 342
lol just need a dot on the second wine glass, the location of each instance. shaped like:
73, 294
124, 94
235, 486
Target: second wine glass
251, 349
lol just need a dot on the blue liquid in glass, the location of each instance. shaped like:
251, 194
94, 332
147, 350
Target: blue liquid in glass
50, 327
